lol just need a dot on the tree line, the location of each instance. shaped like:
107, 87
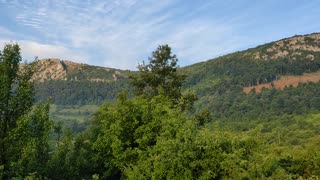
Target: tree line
80, 93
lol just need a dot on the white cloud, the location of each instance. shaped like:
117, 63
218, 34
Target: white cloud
5, 31
121, 33
31, 49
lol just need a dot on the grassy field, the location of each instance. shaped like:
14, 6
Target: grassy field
76, 118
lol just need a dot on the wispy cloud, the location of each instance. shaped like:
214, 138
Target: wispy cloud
121, 33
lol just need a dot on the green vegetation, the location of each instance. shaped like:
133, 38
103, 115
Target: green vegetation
79, 92
24, 130
76, 118
161, 71
152, 137
227, 75
162, 132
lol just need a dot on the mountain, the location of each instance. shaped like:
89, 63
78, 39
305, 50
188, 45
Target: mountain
76, 90
56, 69
222, 84
252, 68
289, 51
263, 64
70, 83
256, 66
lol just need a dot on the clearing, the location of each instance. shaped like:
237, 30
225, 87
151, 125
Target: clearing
286, 81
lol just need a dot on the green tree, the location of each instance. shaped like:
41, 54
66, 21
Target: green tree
131, 127
61, 165
24, 129
161, 72
31, 137
16, 99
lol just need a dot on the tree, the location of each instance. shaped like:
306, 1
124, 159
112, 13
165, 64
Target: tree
130, 127
24, 130
31, 137
161, 72
15, 98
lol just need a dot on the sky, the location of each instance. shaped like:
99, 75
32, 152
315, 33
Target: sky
123, 33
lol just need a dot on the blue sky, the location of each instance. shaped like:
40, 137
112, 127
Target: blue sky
123, 33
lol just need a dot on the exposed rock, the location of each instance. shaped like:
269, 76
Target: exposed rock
310, 56
56, 69
290, 47
50, 69
114, 77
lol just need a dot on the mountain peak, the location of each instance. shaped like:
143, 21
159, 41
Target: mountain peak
50, 69
289, 47
56, 69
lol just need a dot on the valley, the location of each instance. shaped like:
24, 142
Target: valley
178, 90
203, 121
278, 64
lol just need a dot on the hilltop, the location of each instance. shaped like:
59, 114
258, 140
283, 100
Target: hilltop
224, 85
56, 69
70, 83
248, 69
276, 64
260, 65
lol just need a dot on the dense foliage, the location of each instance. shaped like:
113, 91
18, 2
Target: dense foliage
152, 137
159, 135
24, 130
79, 92
269, 103
160, 72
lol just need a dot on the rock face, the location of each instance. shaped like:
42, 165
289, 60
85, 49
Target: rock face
56, 69
50, 69
291, 47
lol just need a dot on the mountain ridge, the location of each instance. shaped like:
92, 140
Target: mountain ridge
307, 48
263, 64
221, 84
57, 69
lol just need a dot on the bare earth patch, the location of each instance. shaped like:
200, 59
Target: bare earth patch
286, 81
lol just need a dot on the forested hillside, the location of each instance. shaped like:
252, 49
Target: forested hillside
190, 123
263, 64
70, 83
218, 83
226, 76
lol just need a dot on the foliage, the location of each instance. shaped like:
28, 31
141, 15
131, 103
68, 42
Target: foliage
230, 73
142, 139
79, 92
269, 103
156, 135
160, 72
31, 137
15, 99
24, 130
77, 118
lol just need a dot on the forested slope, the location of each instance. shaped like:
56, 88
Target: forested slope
223, 79
69, 83
80, 84
158, 133
218, 83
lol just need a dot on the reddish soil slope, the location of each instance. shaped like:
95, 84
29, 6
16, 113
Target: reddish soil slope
287, 81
